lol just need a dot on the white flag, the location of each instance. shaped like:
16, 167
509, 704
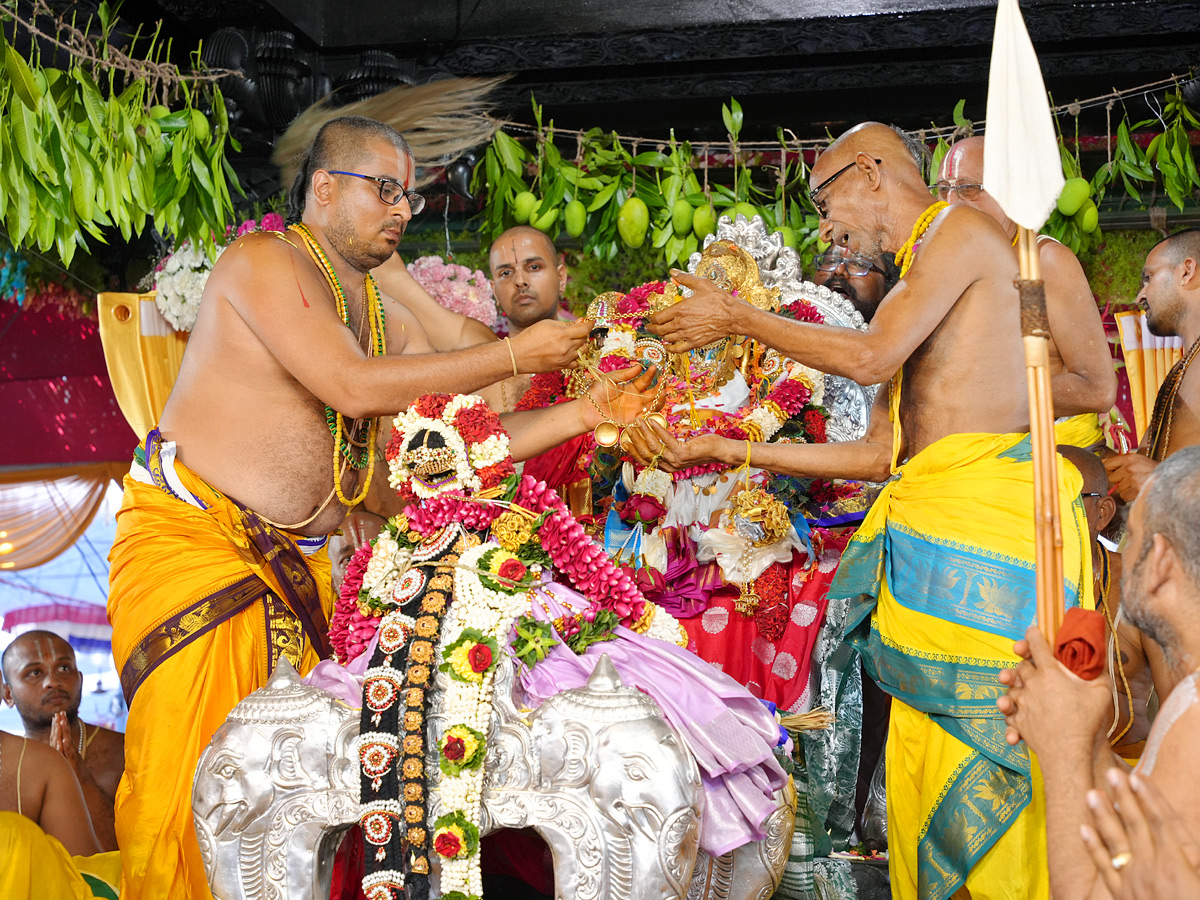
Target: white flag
1021, 164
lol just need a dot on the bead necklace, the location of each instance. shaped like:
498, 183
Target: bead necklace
1114, 650
372, 302
904, 258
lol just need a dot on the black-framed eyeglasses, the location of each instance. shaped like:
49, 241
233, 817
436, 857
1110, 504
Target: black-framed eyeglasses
822, 209
966, 191
854, 265
390, 191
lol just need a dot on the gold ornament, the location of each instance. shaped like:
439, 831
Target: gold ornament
607, 434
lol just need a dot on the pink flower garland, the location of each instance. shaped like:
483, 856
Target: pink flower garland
350, 630
573, 553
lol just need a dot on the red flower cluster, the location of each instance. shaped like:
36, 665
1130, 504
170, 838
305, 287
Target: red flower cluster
512, 569
490, 476
476, 423
545, 389
447, 844
802, 311
644, 508
640, 295
792, 396
814, 424
455, 749
480, 658
772, 615
432, 405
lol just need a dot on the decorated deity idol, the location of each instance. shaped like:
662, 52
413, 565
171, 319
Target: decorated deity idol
741, 557
488, 575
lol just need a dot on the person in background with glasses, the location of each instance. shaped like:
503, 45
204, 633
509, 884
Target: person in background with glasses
269, 438
1136, 666
862, 281
1083, 381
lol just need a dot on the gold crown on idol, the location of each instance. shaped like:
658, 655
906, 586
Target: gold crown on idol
425, 460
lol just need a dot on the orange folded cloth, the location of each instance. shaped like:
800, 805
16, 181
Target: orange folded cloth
1080, 645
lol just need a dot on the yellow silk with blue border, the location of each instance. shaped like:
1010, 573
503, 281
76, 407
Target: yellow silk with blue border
941, 578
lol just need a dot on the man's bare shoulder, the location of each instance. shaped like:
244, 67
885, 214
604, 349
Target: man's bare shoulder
965, 238
1060, 264
257, 249
1174, 765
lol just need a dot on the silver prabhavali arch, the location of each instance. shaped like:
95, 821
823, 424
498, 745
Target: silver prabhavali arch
277, 788
848, 402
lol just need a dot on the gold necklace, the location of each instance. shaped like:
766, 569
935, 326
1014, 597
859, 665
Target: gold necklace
342, 441
904, 258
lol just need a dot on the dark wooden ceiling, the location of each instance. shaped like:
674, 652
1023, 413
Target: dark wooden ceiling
644, 66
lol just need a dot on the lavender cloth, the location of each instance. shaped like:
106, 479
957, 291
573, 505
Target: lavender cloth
344, 682
730, 732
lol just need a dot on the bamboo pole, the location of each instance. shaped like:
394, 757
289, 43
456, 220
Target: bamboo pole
1035, 335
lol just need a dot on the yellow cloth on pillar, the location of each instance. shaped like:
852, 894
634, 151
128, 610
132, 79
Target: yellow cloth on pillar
1082, 430
187, 655
34, 865
941, 577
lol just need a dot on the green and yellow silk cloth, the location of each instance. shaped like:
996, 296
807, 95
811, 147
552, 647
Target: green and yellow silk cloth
941, 581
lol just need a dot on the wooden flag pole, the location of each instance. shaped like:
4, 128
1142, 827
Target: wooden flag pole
1035, 335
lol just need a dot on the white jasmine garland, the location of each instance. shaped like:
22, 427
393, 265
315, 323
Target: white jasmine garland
489, 452
383, 568
766, 420
180, 284
654, 482
665, 627
621, 340
470, 703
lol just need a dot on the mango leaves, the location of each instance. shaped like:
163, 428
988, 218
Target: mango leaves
77, 158
606, 171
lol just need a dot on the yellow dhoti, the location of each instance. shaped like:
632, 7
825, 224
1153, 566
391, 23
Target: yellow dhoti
942, 577
1082, 430
34, 865
204, 599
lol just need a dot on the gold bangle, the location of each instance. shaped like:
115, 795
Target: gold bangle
512, 356
748, 446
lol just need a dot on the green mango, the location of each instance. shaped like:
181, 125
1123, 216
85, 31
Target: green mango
523, 206
704, 222
546, 221
1073, 194
682, 215
632, 222
158, 111
575, 218
746, 209
201, 130
1087, 217
789, 236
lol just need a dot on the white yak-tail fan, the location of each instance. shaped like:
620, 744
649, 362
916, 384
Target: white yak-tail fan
441, 120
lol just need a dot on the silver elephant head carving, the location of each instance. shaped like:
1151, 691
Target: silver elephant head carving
604, 779
277, 784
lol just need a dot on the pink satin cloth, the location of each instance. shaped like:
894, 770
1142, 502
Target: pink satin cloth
729, 732
685, 588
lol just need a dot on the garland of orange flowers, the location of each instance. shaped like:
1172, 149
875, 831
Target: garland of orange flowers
904, 258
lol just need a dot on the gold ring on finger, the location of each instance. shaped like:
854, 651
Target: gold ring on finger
1121, 860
